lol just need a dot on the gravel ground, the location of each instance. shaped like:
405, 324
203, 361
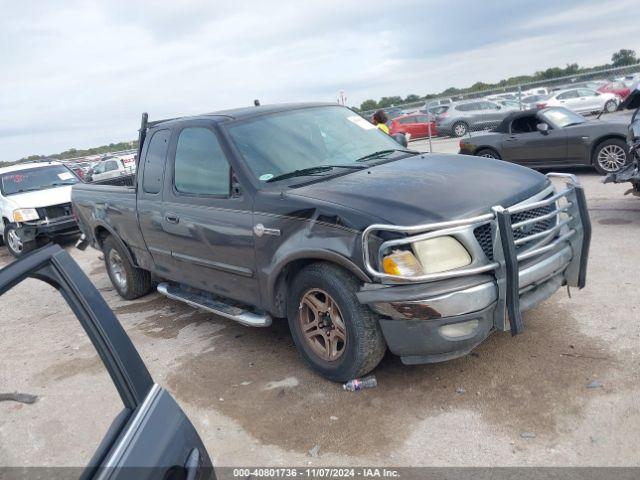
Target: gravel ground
565, 392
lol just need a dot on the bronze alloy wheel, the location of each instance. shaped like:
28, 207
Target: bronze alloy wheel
321, 325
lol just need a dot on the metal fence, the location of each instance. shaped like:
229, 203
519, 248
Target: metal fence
593, 92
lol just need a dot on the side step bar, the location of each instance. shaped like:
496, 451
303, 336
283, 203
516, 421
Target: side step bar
212, 304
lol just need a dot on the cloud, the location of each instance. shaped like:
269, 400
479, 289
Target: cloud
78, 74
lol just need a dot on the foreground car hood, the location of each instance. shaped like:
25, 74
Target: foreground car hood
429, 188
41, 198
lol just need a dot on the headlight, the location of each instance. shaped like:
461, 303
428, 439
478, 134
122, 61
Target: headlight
440, 254
433, 255
25, 214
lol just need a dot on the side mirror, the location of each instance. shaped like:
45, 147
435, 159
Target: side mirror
542, 127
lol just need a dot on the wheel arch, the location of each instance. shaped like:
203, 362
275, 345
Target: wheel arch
101, 231
282, 274
486, 147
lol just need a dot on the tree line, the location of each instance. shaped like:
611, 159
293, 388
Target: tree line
74, 153
621, 58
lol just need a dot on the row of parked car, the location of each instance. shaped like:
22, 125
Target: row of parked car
109, 166
446, 117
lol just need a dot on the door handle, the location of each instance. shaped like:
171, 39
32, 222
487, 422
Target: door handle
192, 465
172, 218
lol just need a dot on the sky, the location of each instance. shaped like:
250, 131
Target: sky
79, 73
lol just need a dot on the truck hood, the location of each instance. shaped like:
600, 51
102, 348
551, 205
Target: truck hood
40, 198
429, 188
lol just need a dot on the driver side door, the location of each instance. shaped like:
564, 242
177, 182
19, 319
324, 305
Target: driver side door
534, 148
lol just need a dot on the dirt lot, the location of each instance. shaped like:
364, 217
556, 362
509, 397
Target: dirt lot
515, 401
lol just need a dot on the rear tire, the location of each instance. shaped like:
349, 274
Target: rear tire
323, 297
14, 243
610, 156
459, 129
488, 153
129, 281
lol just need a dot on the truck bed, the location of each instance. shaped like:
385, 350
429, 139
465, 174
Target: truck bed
103, 208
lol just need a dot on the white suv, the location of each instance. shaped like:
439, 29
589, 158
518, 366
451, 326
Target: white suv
35, 204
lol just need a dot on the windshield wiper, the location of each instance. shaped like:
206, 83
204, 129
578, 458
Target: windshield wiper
382, 153
311, 170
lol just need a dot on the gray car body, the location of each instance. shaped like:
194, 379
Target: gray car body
481, 115
569, 146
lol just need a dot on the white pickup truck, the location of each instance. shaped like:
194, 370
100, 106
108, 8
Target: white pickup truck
112, 167
35, 204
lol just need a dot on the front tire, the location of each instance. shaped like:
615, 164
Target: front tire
488, 153
129, 281
335, 334
459, 129
16, 246
610, 156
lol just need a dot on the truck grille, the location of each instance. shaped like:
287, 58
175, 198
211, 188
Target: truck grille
485, 239
55, 211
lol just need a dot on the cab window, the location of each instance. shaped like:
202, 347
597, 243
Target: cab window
200, 165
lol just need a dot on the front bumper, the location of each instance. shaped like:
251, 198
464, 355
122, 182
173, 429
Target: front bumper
58, 227
446, 315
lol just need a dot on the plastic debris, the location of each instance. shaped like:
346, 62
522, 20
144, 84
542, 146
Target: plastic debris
359, 383
18, 397
314, 452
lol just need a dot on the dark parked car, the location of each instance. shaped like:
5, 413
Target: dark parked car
309, 212
553, 137
151, 437
460, 118
631, 173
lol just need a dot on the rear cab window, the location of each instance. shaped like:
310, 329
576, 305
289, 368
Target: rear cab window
154, 162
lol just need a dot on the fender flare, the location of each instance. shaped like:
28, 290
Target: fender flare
311, 255
119, 241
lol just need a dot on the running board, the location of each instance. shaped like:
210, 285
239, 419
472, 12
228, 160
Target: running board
206, 301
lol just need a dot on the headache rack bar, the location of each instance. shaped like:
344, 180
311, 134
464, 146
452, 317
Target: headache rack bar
575, 229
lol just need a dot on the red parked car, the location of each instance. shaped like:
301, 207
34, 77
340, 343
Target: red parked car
416, 125
618, 88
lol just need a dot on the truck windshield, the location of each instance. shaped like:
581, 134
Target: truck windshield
38, 178
301, 140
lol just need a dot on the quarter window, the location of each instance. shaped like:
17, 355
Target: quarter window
154, 161
201, 166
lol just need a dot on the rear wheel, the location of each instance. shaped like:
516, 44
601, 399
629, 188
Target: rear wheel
16, 246
610, 156
335, 334
459, 129
488, 153
129, 281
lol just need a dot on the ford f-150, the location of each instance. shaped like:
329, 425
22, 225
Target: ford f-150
308, 212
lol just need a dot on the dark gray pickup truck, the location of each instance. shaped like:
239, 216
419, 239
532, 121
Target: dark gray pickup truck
308, 212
